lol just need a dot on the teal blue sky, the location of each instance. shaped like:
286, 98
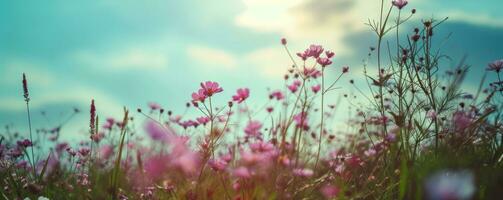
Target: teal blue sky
129, 53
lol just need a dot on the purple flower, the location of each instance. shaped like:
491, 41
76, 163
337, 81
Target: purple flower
24, 143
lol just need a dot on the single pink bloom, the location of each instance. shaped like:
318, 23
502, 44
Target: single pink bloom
303, 55
198, 96
324, 61
97, 137
188, 161
217, 165
253, 128
159, 132
329, 191
399, 3
298, 83
301, 120
370, 152
156, 166
106, 151
293, 88
316, 88
241, 95
314, 51
211, 88
242, 172
154, 106
269, 109
329, 54
84, 151
277, 94
227, 157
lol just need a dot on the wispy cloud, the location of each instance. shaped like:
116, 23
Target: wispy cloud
213, 58
132, 58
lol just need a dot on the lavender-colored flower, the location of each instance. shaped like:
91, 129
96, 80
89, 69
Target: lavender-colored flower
446, 185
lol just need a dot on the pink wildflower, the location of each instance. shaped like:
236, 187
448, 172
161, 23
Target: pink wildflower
106, 151
241, 95
297, 83
303, 55
198, 96
217, 165
242, 172
312, 72
329, 54
301, 120
210, 88
24, 143
329, 191
154, 106
399, 3
253, 128
277, 94
314, 51
316, 88
158, 132
324, 61
293, 88
84, 151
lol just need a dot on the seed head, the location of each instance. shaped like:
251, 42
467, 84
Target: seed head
25, 89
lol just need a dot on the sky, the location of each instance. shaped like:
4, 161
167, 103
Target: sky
129, 53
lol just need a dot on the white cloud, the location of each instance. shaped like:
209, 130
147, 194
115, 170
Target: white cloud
325, 22
133, 58
212, 57
13, 69
270, 62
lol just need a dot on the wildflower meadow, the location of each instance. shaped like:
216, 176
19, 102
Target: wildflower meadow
410, 130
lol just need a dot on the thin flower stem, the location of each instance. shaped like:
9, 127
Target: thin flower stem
322, 116
31, 138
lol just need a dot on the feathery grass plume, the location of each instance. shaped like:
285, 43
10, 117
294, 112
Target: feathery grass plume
25, 89
92, 122
26, 96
